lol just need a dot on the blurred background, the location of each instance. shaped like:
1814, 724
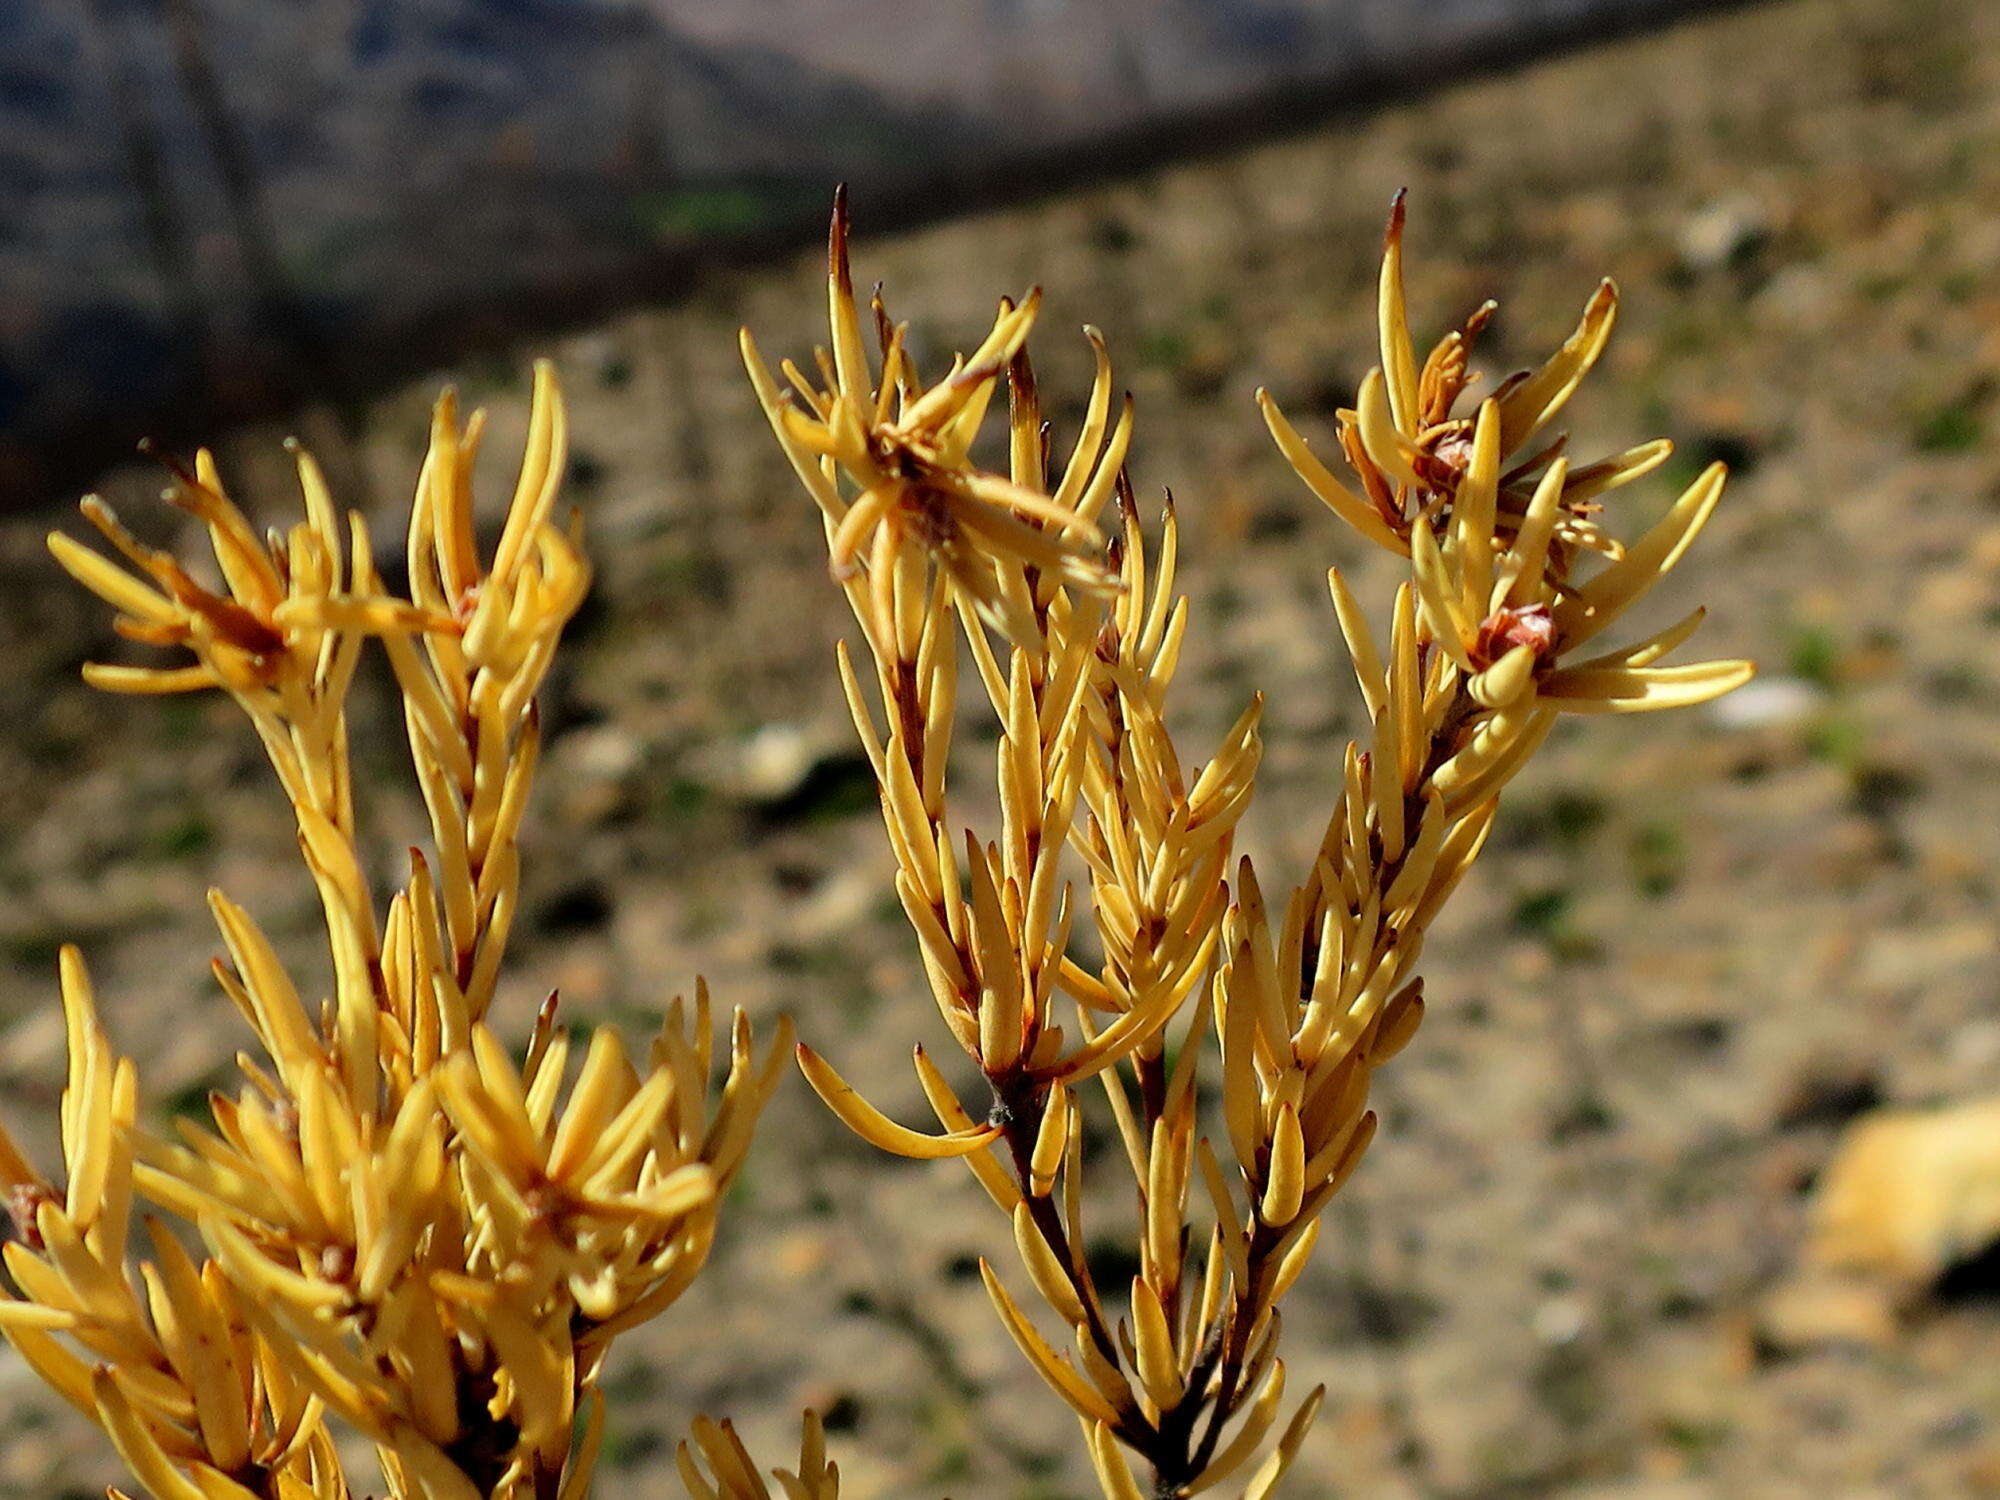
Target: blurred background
213, 210
1581, 1261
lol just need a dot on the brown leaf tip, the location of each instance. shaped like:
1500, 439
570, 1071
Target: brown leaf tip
836, 239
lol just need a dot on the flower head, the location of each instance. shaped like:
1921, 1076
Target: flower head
240, 632
888, 459
1495, 519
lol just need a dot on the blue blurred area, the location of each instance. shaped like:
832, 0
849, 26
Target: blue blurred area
218, 207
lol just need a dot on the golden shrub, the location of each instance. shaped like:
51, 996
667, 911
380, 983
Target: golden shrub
398, 1226
1075, 636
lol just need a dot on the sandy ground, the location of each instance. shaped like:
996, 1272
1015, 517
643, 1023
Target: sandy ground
1698, 943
